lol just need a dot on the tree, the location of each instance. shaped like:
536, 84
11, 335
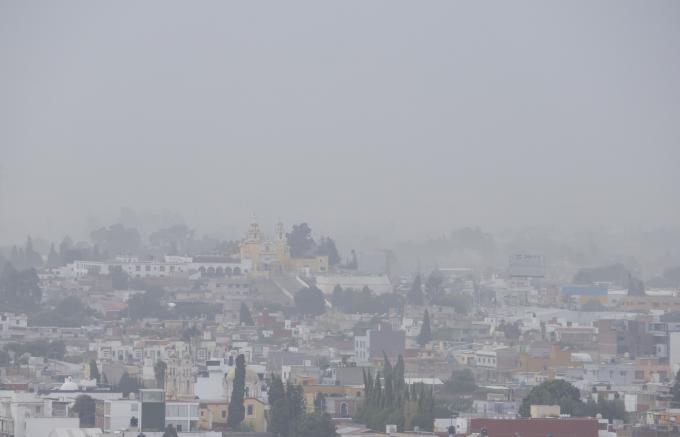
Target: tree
327, 248
461, 381
69, 312
117, 239
286, 404
19, 290
394, 402
635, 286
280, 419
190, 333
173, 240
296, 400
415, 293
364, 301
461, 302
53, 258
119, 279
425, 335
159, 370
94, 371
310, 301
170, 431
147, 304
300, 241
434, 285
39, 348
127, 385
32, 259
554, 392
353, 263
244, 316
511, 331
84, 407
313, 425
611, 410
4, 358
276, 390
237, 411
675, 390
616, 273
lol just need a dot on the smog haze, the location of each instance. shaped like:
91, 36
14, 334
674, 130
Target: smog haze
377, 118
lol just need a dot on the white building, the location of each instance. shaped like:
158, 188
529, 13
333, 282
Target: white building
168, 266
112, 350
497, 357
11, 323
26, 415
211, 385
118, 413
43, 426
182, 415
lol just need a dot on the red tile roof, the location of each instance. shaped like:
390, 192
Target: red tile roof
567, 427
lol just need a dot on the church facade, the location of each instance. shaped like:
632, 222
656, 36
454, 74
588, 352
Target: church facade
269, 256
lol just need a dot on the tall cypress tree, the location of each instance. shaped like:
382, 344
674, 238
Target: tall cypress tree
276, 390
279, 421
389, 383
415, 294
237, 411
425, 330
296, 400
399, 382
388, 400
94, 371
244, 316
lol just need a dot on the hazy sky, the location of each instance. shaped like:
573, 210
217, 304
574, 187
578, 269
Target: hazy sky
383, 117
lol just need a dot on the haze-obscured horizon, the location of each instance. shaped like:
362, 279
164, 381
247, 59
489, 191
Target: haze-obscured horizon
393, 119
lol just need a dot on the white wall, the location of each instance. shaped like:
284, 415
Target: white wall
210, 387
42, 426
121, 412
674, 352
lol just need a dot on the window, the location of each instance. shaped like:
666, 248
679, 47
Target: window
162, 268
148, 268
224, 414
250, 410
138, 268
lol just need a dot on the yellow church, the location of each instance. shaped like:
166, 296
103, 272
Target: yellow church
272, 256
